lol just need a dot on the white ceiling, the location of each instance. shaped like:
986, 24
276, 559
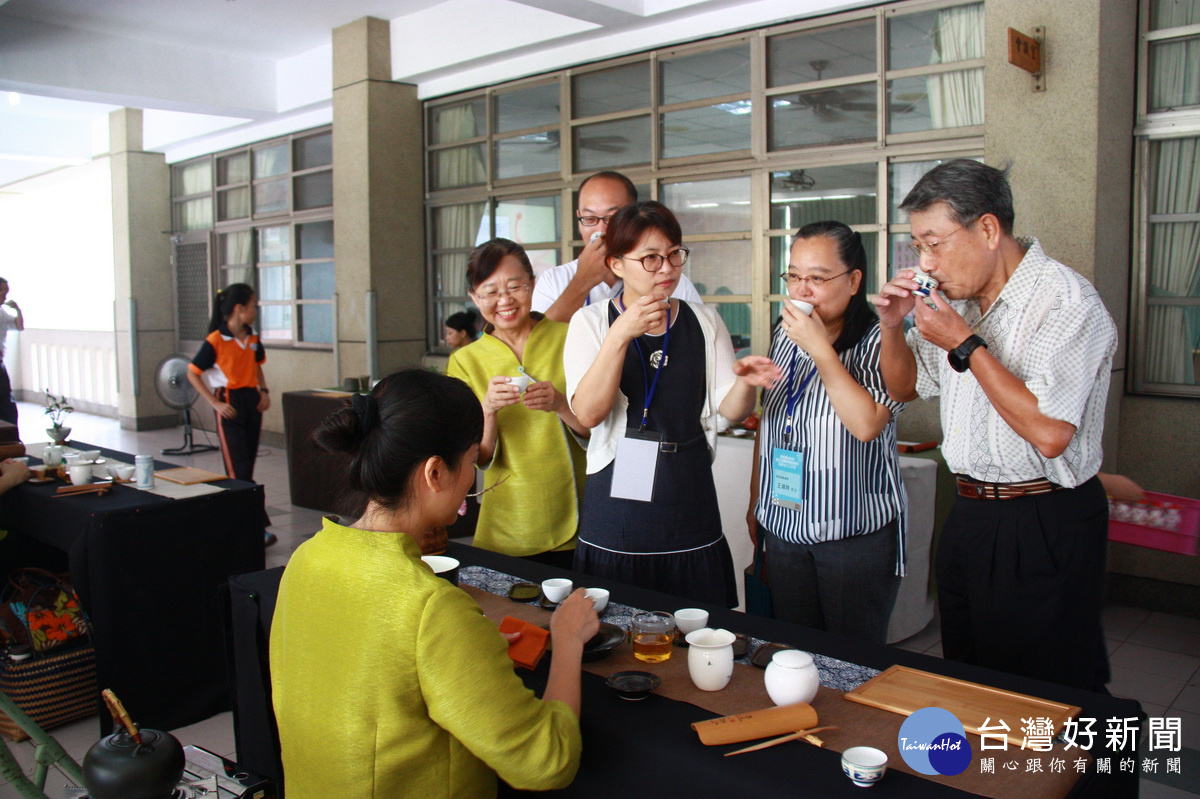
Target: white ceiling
218, 73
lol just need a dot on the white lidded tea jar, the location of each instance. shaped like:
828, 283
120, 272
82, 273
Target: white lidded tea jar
792, 677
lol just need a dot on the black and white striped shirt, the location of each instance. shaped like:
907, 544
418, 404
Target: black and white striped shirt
850, 487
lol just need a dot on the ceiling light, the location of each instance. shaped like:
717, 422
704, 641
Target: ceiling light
14, 98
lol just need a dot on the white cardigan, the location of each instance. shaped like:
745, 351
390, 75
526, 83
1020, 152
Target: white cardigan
587, 331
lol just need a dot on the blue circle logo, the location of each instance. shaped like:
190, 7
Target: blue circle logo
933, 741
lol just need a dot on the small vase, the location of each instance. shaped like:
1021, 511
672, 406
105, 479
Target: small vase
58, 434
792, 677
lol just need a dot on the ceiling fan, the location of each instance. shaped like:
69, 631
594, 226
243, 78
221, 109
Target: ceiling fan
830, 104
549, 140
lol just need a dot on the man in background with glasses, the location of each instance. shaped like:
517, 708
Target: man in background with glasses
563, 290
1020, 352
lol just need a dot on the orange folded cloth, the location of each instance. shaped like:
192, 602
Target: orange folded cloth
527, 650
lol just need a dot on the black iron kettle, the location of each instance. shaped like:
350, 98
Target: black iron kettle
132, 763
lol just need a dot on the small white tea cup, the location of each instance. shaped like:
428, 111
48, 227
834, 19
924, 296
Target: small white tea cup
864, 765
557, 589
806, 308
688, 620
599, 597
521, 382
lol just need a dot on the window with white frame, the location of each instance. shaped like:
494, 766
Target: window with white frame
1165, 356
849, 111
269, 210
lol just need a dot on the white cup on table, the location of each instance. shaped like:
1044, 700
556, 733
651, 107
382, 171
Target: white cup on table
557, 589
688, 620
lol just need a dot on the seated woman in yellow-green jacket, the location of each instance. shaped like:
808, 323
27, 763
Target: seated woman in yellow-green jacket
387, 680
528, 451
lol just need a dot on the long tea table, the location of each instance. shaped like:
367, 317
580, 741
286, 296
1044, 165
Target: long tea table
148, 570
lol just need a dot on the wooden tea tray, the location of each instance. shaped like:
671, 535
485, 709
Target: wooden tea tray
189, 475
903, 690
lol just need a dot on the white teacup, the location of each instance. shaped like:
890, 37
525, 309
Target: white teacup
599, 597
121, 471
688, 620
90, 454
557, 589
443, 566
521, 382
806, 308
81, 473
20, 459
864, 765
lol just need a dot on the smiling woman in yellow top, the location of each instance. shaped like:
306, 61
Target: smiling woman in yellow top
527, 443
387, 680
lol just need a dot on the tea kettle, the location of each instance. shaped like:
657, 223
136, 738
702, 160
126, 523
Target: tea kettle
132, 763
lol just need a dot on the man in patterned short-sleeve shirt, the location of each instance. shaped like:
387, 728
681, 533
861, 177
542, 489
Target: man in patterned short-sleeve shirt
1020, 351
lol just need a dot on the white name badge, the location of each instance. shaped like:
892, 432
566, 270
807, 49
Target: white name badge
787, 478
633, 471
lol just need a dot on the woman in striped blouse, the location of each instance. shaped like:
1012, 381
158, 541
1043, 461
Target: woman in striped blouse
825, 494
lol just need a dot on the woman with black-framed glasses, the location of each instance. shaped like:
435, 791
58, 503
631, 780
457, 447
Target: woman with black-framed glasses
516, 370
826, 496
648, 375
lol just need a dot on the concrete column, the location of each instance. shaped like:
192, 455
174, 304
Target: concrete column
1071, 146
378, 200
141, 194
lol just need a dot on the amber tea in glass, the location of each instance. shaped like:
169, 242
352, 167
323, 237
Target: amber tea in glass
653, 636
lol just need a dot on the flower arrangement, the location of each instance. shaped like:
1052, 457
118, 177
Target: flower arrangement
57, 408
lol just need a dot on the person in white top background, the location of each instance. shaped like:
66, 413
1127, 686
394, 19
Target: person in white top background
10, 319
564, 289
1020, 351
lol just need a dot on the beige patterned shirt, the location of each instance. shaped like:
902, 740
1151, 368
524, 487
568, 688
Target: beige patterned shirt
1051, 330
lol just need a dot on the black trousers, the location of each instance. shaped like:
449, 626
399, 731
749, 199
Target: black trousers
8, 406
847, 586
239, 435
1021, 585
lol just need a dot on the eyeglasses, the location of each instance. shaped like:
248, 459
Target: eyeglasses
927, 249
592, 221
512, 290
489, 488
814, 281
654, 261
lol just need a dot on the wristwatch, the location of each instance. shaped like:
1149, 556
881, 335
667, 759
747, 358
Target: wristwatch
960, 356
264, 390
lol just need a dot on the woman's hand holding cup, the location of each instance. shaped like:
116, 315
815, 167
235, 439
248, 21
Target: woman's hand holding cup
500, 394
806, 331
645, 314
575, 621
543, 396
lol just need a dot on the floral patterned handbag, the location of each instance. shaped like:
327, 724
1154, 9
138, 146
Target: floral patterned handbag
41, 611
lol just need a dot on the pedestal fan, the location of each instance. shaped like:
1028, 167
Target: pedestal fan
171, 383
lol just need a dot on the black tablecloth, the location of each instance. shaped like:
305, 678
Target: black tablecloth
648, 749
149, 571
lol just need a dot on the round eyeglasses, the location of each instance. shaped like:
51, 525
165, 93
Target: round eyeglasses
654, 261
512, 289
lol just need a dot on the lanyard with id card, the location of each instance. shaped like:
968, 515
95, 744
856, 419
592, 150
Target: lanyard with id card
636, 462
787, 462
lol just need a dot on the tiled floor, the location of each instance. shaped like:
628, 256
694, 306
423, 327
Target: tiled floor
1155, 656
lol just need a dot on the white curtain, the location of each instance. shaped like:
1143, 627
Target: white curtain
956, 98
1174, 13
461, 166
1173, 331
1175, 74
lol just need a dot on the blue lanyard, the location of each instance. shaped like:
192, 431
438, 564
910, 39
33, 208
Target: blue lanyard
662, 364
792, 399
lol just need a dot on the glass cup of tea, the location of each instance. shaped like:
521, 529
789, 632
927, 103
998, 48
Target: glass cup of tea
653, 636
